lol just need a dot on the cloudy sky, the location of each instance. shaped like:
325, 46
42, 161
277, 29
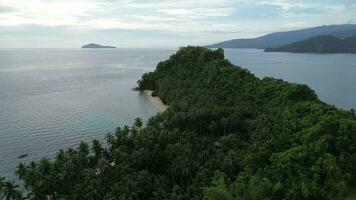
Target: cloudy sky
158, 23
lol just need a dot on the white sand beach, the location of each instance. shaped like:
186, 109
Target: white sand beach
155, 101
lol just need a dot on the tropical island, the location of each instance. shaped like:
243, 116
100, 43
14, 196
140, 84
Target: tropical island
226, 135
97, 46
319, 44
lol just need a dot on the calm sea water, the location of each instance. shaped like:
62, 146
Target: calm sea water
52, 99
332, 76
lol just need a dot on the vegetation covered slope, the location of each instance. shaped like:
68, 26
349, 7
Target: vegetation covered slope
320, 44
278, 39
226, 135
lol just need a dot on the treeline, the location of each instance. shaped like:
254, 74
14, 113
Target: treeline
226, 135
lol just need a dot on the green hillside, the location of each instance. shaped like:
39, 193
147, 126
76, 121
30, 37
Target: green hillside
225, 135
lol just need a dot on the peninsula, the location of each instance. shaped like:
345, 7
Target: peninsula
319, 44
226, 135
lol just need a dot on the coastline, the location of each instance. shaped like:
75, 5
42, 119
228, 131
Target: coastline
156, 101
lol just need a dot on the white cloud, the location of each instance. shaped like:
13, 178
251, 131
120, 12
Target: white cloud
205, 21
134, 14
124, 14
49, 13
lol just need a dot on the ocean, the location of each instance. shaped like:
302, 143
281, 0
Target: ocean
54, 98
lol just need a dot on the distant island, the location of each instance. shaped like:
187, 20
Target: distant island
319, 44
278, 39
97, 46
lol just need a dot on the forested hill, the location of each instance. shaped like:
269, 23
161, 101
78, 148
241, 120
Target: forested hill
320, 44
278, 39
226, 135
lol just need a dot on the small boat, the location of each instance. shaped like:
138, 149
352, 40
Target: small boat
23, 155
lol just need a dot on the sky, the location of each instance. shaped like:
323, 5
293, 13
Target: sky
158, 23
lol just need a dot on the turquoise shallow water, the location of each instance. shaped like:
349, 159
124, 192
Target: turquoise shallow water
54, 98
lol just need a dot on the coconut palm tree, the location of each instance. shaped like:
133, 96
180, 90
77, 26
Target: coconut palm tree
21, 171
2, 182
10, 192
138, 123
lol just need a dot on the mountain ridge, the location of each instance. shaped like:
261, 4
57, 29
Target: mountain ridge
283, 38
319, 44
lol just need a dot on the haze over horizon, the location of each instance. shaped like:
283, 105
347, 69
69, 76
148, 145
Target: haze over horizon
171, 23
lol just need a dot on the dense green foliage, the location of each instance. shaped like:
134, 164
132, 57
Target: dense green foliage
226, 135
320, 44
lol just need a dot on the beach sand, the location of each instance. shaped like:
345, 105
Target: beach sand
155, 101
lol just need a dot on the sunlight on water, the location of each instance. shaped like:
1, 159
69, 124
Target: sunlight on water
52, 99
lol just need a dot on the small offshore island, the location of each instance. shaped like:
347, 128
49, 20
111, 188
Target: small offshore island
226, 135
97, 46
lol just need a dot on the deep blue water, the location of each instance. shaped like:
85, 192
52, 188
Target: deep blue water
54, 98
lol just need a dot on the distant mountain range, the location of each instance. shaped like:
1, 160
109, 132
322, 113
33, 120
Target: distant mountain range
97, 46
319, 44
278, 39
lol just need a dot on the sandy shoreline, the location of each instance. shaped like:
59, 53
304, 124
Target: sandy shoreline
155, 101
